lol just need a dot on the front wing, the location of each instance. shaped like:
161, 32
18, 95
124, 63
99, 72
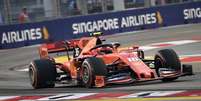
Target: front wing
126, 79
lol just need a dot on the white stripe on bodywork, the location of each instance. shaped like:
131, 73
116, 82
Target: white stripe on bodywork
145, 48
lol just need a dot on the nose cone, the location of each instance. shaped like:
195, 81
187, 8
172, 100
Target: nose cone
146, 75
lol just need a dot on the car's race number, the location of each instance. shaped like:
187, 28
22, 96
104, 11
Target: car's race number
77, 51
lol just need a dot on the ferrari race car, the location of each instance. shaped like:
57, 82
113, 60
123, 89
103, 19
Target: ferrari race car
91, 62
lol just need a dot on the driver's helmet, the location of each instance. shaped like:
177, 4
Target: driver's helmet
105, 50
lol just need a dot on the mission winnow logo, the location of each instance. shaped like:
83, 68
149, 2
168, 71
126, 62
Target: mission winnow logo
31, 34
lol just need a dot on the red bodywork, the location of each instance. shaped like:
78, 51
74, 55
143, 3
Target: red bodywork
125, 59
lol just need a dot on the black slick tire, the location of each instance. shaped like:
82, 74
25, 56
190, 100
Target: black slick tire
167, 58
92, 67
42, 74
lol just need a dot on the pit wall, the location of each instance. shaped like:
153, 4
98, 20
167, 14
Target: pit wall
19, 35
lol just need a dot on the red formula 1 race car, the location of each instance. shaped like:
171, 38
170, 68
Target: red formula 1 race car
90, 62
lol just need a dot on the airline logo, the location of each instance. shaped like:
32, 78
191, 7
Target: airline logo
117, 23
192, 13
24, 35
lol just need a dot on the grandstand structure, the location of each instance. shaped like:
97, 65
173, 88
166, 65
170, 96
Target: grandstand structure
41, 10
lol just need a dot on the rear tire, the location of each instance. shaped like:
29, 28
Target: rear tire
92, 67
42, 74
167, 58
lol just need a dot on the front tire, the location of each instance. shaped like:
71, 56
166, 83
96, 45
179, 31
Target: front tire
92, 67
167, 59
42, 74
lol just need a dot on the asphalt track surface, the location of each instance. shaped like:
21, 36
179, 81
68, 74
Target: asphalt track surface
14, 82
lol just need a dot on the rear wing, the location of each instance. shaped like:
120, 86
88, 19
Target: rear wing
56, 47
61, 46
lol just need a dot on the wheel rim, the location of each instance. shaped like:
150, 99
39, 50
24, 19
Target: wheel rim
85, 75
161, 70
158, 63
31, 74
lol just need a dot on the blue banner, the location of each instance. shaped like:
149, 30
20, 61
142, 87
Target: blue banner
19, 35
